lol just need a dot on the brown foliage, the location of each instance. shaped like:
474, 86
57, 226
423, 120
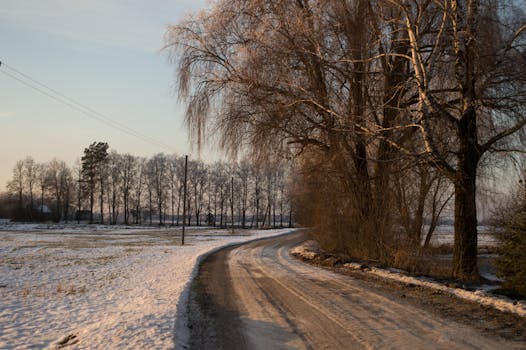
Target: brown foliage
362, 93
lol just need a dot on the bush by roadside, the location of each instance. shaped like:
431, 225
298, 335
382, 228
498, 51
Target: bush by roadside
511, 262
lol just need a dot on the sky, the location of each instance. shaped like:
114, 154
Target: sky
104, 54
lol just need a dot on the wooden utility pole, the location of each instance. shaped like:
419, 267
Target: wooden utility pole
79, 195
232, 203
184, 196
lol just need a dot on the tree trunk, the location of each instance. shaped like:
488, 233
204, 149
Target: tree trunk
91, 200
188, 210
173, 205
79, 194
101, 201
31, 204
274, 215
160, 209
257, 211
290, 215
113, 206
150, 206
281, 209
178, 207
215, 207
465, 252
67, 203
42, 202
252, 220
222, 209
125, 207
59, 204
232, 201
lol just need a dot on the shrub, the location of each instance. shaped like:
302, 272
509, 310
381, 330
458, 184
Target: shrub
511, 263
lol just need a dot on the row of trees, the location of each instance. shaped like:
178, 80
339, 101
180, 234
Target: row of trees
123, 188
389, 106
34, 184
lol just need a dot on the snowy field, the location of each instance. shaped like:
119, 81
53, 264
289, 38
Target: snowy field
99, 287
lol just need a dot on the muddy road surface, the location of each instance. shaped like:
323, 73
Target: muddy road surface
257, 296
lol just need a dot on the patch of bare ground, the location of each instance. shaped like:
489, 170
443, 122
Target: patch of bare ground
69, 340
443, 304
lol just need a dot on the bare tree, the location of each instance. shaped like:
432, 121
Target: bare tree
129, 164
137, 190
60, 183
80, 189
30, 175
243, 174
360, 85
217, 178
257, 194
480, 103
172, 181
16, 187
41, 179
115, 169
318, 98
180, 169
198, 180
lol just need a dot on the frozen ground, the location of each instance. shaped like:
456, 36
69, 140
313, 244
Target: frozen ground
99, 287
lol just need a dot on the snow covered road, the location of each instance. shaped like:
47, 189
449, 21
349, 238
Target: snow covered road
257, 296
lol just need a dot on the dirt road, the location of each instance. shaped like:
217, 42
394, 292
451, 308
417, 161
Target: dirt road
256, 296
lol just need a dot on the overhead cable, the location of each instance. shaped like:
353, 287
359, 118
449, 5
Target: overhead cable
44, 89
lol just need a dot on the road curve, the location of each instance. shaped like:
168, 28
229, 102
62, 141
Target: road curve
256, 296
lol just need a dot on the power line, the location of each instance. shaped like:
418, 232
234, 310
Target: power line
70, 100
44, 89
56, 95
88, 114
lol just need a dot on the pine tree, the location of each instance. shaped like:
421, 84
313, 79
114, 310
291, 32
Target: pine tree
93, 162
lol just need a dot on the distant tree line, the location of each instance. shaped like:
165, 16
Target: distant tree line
39, 191
112, 188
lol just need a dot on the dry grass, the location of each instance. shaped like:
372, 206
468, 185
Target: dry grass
70, 289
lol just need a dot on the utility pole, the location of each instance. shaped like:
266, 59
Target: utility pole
184, 196
79, 194
232, 203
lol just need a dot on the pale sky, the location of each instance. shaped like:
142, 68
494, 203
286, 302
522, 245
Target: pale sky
103, 54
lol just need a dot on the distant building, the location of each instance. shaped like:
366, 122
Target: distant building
41, 212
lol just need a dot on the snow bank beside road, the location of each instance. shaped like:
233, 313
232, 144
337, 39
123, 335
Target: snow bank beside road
309, 251
479, 295
92, 290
